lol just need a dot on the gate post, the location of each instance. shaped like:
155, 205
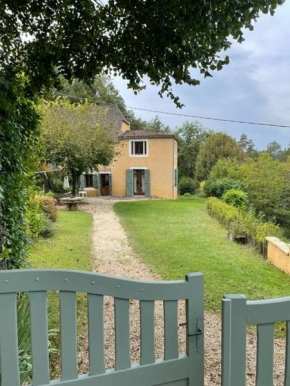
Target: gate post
195, 329
234, 333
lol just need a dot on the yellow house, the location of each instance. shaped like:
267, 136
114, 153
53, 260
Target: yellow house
145, 165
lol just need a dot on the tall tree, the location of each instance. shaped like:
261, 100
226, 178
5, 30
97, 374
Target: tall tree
191, 136
101, 90
248, 146
157, 126
76, 138
275, 150
217, 146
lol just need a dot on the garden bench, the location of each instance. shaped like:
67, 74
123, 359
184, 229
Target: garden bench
72, 203
173, 370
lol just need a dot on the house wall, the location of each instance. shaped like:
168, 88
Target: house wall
125, 126
161, 161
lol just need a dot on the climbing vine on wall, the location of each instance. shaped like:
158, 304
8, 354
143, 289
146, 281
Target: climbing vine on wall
18, 138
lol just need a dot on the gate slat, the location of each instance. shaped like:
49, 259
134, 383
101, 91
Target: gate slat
9, 340
96, 334
147, 332
234, 346
39, 337
68, 327
170, 329
122, 331
287, 359
265, 354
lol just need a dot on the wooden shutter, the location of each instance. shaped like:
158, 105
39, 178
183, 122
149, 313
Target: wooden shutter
82, 181
175, 177
110, 184
95, 181
147, 183
129, 183
99, 184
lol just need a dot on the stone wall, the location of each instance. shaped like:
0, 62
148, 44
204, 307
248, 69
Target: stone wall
278, 254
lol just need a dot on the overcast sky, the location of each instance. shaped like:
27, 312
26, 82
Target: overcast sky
255, 86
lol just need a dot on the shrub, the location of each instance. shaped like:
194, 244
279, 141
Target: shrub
268, 229
217, 188
48, 205
237, 198
33, 218
241, 223
46, 229
187, 185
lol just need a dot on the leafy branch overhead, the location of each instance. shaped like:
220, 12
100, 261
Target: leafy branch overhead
160, 39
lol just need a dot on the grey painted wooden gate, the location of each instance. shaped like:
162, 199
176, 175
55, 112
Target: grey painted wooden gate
237, 313
173, 370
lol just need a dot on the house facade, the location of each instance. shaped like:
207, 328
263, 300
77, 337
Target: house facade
145, 165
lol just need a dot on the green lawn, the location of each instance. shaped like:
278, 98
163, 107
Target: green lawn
177, 237
69, 248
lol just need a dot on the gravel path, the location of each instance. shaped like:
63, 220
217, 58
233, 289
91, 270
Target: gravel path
113, 255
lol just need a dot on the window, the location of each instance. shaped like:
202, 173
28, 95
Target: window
138, 148
88, 180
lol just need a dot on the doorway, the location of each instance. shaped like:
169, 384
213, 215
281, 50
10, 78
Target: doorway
105, 184
139, 182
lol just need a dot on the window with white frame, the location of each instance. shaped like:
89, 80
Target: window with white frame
138, 148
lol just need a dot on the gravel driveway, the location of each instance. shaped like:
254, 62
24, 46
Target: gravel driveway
113, 255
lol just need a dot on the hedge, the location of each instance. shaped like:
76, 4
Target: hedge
218, 187
243, 224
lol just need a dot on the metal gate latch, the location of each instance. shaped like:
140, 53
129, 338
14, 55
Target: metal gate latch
198, 332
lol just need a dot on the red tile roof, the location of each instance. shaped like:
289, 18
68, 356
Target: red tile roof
132, 134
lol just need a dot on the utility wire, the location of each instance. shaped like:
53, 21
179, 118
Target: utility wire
189, 116
210, 118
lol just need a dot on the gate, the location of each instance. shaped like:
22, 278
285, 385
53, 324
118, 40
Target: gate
173, 370
237, 313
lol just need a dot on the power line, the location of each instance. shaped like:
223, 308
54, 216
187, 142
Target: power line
189, 116
210, 118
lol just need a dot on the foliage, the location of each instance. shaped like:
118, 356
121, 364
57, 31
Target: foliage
247, 145
100, 91
225, 168
64, 41
187, 185
18, 149
237, 198
48, 206
51, 181
34, 217
157, 126
217, 188
75, 137
267, 182
268, 229
189, 240
275, 150
190, 137
46, 228
217, 146
237, 222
